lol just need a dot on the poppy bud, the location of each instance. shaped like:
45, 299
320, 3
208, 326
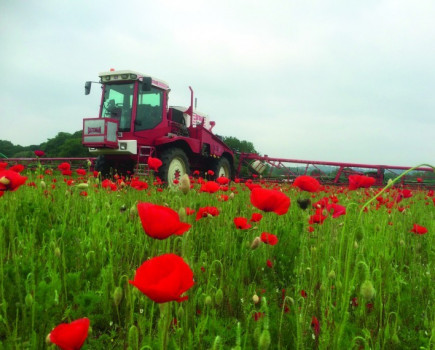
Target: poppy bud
209, 215
182, 214
217, 344
28, 300
395, 339
180, 312
82, 186
207, 300
43, 184
133, 337
184, 185
57, 252
255, 299
264, 342
117, 296
255, 243
219, 296
257, 333
231, 196
355, 245
331, 274
367, 290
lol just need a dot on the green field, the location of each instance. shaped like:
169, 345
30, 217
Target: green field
362, 280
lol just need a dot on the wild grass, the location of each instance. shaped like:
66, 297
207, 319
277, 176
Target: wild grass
363, 276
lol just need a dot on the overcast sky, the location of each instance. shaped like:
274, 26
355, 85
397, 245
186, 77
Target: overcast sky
350, 81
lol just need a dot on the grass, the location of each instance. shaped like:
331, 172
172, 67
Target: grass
364, 276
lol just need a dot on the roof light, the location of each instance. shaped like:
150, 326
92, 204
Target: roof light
124, 76
133, 76
112, 69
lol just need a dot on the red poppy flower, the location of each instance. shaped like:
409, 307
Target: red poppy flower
160, 222
315, 325
241, 223
10, 180
3, 165
210, 187
256, 217
303, 293
81, 172
164, 278
70, 336
317, 218
64, 166
307, 183
222, 180
189, 211
419, 230
269, 264
270, 200
206, 211
196, 173
269, 238
18, 168
357, 181
154, 163
210, 172
39, 153
257, 315
337, 210
406, 193
139, 185
310, 229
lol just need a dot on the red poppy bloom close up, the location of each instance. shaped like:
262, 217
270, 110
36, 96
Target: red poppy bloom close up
154, 163
206, 211
64, 166
256, 217
210, 187
222, 180
11, 180
70, 336
270, 200
160, 222
419, 230
241, 223
164, 278
39, 153
269, 238
357, 181
307, 183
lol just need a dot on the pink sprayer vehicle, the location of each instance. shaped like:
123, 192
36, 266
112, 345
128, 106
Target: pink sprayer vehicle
135, 122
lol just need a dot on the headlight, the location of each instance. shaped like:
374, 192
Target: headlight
123, 146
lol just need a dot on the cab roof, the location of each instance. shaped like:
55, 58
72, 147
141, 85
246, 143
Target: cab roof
120, 75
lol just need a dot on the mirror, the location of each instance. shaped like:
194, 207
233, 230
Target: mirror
88, 87
146, 83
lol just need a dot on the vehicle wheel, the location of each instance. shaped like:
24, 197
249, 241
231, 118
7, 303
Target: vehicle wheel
222, 167
103, 166
175, 165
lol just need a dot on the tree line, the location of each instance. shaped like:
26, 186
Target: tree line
65, 145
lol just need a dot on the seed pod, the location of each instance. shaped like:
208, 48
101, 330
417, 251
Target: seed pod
184, 185
255, 299
182, 214
208, 300
255, 243
180, 313
43, 184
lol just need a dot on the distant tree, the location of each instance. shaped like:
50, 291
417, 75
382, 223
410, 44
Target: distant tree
65, 145
73, 148
239, 146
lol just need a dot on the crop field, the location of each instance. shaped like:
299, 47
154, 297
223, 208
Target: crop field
127, 263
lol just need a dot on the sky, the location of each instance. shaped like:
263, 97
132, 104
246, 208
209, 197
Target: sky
330, 80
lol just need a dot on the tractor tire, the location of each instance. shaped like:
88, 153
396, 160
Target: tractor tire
174, 165
222, 167
103, 166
